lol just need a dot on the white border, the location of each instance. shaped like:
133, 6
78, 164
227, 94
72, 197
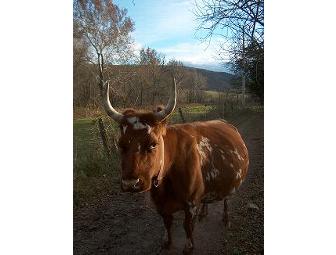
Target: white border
300, 128
36, 127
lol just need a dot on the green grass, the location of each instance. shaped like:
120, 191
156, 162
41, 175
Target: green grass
192, 112
94, 172
212, 94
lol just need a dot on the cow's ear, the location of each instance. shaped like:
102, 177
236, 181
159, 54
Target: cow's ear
158, 108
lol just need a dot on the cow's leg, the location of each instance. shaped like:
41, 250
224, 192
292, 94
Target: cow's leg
226, 214
168, 220
203, 212
189, 221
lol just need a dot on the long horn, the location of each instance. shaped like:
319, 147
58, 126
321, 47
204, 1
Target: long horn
163, 114
115, 115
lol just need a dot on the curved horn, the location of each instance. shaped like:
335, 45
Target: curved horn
163, 114
115, 115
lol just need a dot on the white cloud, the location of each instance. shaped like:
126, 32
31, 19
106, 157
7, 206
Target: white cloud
194, 53
170, 29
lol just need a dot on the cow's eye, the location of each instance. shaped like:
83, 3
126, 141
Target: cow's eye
152, 146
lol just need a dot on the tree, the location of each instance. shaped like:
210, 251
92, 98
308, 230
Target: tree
241, 24
177, 69
152, 65
84, 92
253, 64
194, 82
106, 29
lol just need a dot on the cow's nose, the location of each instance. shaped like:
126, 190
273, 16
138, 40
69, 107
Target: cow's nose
130, 184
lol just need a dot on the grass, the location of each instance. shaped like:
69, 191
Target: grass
94, 172
212, 94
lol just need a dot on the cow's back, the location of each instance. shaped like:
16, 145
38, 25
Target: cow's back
223, 156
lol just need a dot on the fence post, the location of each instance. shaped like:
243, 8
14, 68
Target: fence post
181, 114
103, 136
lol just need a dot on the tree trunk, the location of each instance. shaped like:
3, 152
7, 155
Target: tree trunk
104, 137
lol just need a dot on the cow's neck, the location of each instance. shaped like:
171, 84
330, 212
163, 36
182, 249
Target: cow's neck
167, 157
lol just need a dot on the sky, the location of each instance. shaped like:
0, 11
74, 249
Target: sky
170, 28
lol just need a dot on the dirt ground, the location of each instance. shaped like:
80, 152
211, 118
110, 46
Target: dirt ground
124, 223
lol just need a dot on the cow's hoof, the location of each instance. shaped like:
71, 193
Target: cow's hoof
187, 251
166, 245
188, 248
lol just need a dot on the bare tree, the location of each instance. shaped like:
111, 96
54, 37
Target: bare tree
240, 23
106, 29
195, 83
152, 65
176, 68
83, 81
232, 18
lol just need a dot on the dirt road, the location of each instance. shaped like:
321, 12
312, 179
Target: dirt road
128, 223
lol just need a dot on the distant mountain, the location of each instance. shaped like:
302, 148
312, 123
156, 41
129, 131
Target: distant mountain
211, 67
217, 80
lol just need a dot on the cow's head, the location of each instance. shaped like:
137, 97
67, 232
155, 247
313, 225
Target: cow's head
141, 143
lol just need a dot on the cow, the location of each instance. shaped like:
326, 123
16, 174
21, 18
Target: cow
183, 166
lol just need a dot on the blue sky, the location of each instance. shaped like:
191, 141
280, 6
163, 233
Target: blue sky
170, 28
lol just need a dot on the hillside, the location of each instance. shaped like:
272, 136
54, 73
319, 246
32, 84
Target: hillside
216, 80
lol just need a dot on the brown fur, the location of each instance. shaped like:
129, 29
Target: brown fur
203, 162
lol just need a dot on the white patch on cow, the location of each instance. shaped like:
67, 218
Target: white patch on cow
202, 147
132, 120
238, 174
124, 129
192, 208
231, 165
215, 172
139, 125
238, 155
233, 190
136, 123
212, 174
149, 129
139, 146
